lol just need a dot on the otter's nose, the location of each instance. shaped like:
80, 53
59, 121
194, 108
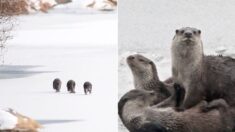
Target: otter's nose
188, 34
130, 57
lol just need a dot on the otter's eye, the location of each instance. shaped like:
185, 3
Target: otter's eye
176, 31
182, 31
150, 62
199, 31
141, 60
194, 32
152, 93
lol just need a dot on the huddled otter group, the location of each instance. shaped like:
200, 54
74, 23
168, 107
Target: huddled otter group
138, 114
71, 86
198, 97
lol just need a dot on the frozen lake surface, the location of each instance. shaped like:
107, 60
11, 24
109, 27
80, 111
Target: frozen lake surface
68, 43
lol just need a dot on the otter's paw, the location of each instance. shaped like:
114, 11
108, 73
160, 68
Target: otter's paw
205, 109
152, 127
177, 86
179, 109
136, 122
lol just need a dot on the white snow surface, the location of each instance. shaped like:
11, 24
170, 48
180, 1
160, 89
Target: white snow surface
67, 43
51, 2
147, 27
7, 120
98, 3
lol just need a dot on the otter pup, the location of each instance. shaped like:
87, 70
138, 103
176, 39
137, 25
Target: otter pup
71, 86
57, 84
203, 77
87, 87
138, 114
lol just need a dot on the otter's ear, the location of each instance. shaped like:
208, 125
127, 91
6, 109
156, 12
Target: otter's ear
150, 62
176, 31
199, 31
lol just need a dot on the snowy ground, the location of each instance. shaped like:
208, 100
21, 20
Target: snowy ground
67, 43
147, 27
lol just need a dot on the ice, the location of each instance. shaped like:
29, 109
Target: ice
66, 43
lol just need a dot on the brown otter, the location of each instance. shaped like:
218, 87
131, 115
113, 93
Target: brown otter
146, 77
144, 72
87, 87
71, 86
203, 77
57, 84
138, 114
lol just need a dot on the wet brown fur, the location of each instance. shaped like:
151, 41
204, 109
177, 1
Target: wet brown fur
138, 115
204, 77
71, 86
57, 84
87, 87
145, 76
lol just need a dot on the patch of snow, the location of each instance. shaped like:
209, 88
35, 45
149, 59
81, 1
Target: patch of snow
7, 120
51, 2
165, 109
220, 50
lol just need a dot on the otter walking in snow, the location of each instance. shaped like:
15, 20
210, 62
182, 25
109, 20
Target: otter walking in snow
203, 77
87, 87
138, 114
57, 84
71, 86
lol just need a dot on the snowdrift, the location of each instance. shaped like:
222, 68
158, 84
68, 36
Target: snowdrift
12, 121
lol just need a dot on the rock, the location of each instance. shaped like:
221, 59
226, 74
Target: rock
12, 121
103, 5
15, 7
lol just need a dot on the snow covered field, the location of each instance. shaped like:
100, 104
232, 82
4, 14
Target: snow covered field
68, 43
147, 27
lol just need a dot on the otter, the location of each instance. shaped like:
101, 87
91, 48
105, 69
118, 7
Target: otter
57, 84
138, 113
71, 86
203, 77
145, 77
145, 74
87, 87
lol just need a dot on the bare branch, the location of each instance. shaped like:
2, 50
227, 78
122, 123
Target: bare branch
8, 9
